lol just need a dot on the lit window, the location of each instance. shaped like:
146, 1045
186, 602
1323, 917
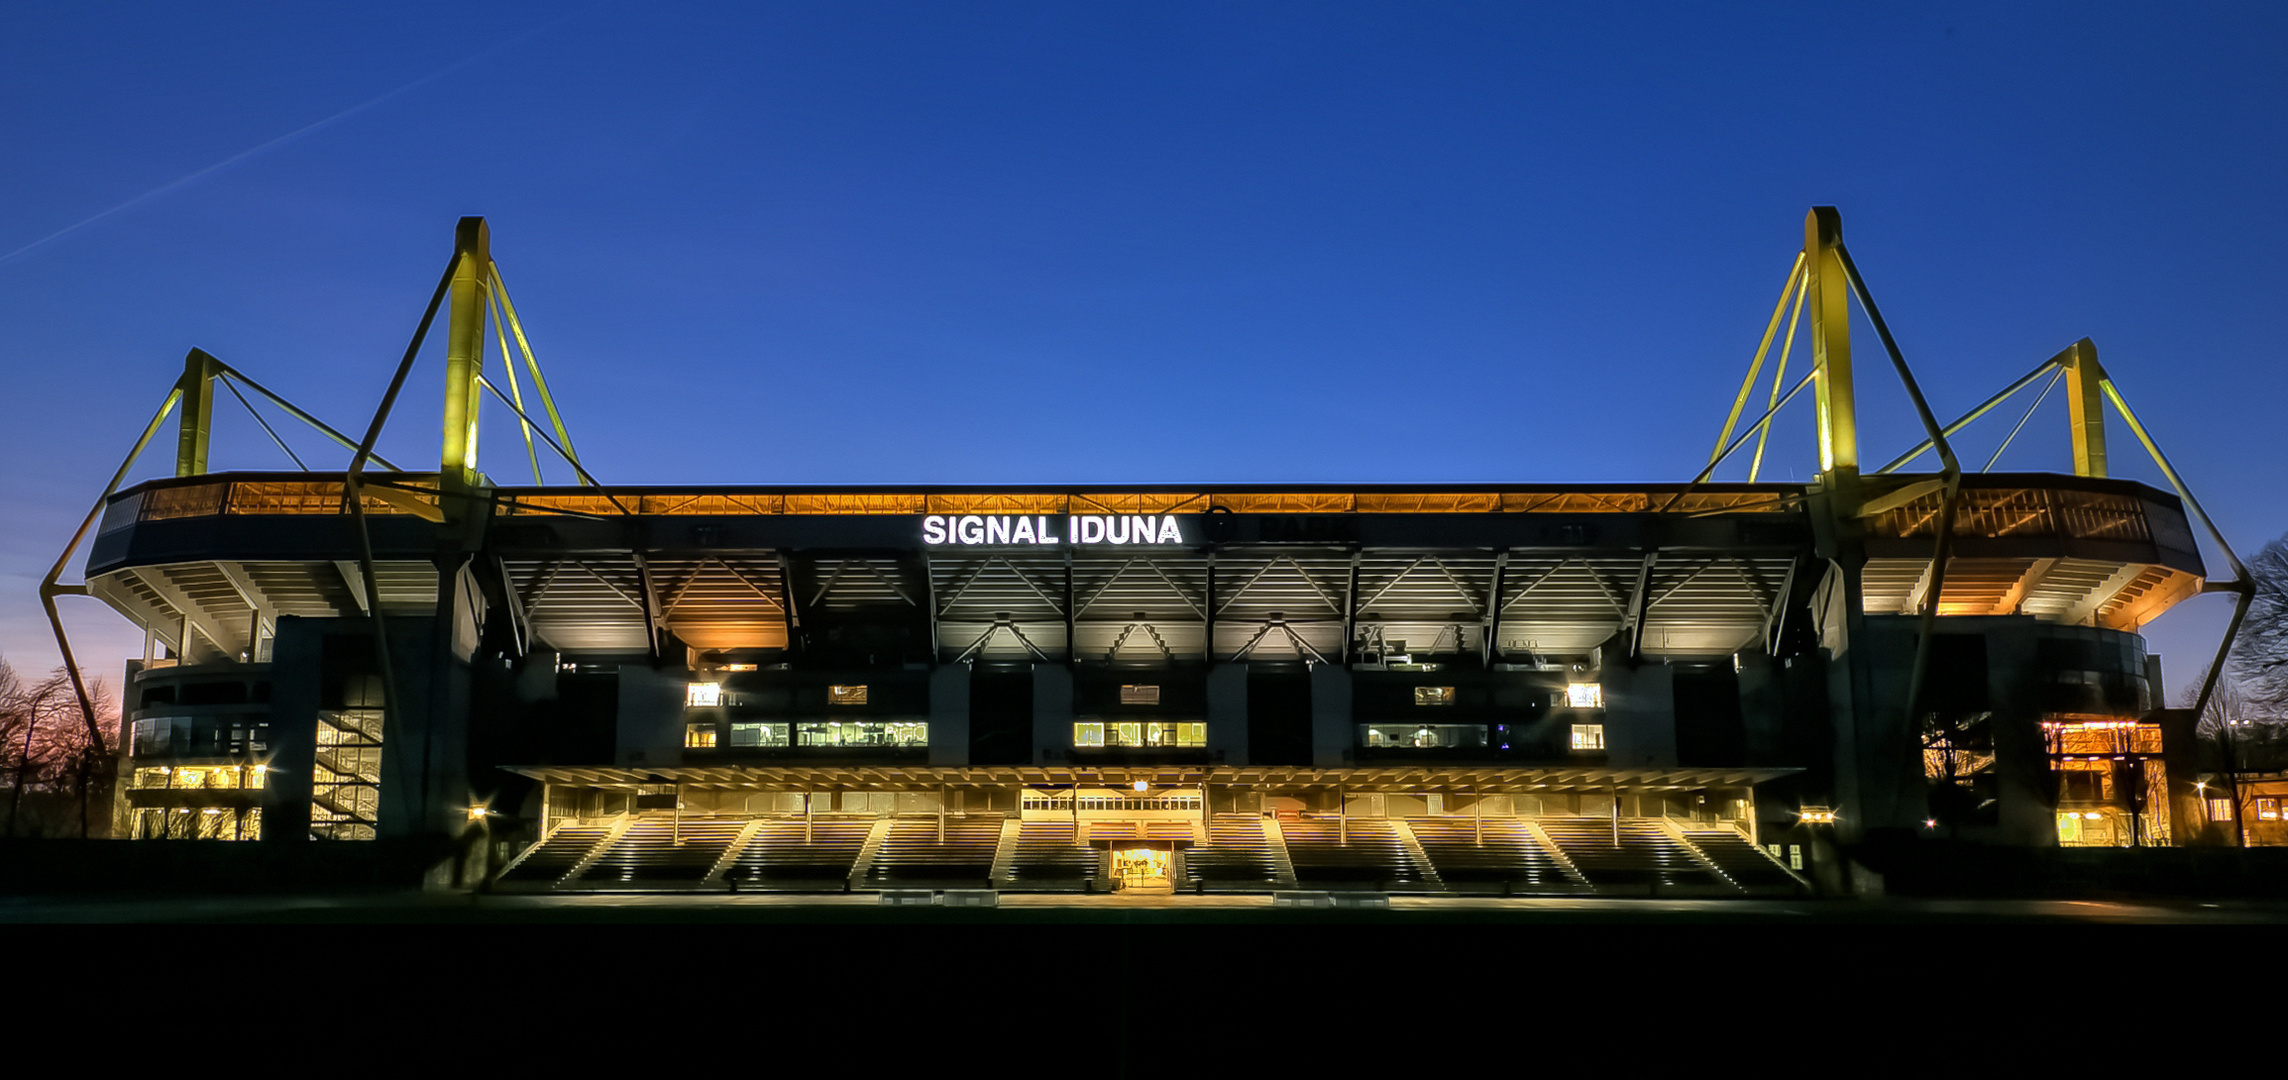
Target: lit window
2220, 809
1588, 736
860, 733
1140, 695
1433, 695
1585, 695
1795, 856
2267, 808
699, 736
758, 734
1421, 736
846, 695
1156, 733
703, 695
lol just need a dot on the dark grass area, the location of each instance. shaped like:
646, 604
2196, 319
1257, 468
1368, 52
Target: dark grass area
453, 908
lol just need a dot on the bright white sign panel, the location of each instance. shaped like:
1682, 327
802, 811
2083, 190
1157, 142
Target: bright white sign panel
967, 529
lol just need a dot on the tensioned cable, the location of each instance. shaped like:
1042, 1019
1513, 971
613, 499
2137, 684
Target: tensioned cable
265, 423
2061, 373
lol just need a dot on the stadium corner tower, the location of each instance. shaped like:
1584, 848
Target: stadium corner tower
1681, 688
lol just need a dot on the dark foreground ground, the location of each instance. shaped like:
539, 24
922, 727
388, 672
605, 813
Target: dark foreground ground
863, 909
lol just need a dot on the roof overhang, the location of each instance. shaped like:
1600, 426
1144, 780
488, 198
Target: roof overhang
1460, 779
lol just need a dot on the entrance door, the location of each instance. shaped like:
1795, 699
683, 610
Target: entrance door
1142, 869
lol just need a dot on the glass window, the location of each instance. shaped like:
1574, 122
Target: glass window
2267, 808
703, 695
860, 733
1421, 736
699, 736
1433, 695
1180, 734
1585, 695
2220, 810
1588, 736
758, 734
846, 695
1140, 695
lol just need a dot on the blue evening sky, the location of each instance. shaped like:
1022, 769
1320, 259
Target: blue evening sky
1016, 243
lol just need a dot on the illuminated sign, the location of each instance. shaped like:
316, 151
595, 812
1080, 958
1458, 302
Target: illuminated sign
1046, 529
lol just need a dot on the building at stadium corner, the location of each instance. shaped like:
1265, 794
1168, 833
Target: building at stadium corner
1691, 688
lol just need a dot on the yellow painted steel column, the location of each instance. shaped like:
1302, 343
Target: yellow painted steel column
465, 352
197, 422
2085, 403
1830, 291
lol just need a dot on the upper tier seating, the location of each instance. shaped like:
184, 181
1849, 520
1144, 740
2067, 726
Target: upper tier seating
1750, 867
779, 858
1236, 857
1509, 854
1046, 857
912, 854
649, 854
556, 856
1647, 856
1373, 856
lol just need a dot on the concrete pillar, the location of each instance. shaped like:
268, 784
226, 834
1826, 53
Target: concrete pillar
651, 715
1052, 713
1640, 716
1763, 708
1227, 714
1331, 726
297, 677
949, 715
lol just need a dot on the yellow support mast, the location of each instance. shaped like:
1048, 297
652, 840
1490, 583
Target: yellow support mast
465, 355
1829, 289
196, 426
2085, 402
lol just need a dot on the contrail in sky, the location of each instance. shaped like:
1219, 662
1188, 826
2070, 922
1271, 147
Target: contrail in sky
185, 181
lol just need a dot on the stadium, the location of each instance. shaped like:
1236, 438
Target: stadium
1692, 688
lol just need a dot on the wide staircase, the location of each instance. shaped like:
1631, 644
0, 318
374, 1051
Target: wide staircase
660, 855
1750, 867
546, 863
1493, 855
912, 856
1236, 858
1368, 853
1647, 859
1047, 857
781, 857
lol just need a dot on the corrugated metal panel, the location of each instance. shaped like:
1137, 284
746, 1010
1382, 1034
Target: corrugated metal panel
722, 603
591, 605
859, 584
